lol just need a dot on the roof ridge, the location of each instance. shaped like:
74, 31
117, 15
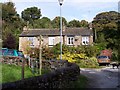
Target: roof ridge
41, 29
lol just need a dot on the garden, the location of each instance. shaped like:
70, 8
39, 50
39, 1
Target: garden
83, 56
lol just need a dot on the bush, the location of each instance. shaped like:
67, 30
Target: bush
72, 57
88, 63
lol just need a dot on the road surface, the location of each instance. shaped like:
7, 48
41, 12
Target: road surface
102, 78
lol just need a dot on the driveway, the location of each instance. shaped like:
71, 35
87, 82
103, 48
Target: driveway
102, 78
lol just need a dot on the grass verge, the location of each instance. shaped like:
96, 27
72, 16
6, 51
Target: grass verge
11, 73
81, 82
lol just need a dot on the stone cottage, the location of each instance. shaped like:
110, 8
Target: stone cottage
50, 37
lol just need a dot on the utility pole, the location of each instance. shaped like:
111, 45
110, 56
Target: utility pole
95, 35
40, 54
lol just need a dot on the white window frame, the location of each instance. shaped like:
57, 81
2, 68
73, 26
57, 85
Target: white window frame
70, 40
31, 39
85, 40
51, 41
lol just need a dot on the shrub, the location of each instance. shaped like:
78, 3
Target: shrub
88, 63
72, 57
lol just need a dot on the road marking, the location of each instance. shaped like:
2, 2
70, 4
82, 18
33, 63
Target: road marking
92, 72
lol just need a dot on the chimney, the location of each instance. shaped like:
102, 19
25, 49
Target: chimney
90, 25
25, 28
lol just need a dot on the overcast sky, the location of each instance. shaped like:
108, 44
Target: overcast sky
71, 9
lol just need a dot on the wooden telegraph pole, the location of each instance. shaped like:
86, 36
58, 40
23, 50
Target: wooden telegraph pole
40, 54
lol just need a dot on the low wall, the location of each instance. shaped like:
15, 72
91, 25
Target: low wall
59, 78
34, 63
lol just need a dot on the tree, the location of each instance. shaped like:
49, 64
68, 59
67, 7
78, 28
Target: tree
84, 23
105, 19
106, 24
8, 12
31, 14
10, 41
11, 22
44, 22
56, 22
74, 23
26, 47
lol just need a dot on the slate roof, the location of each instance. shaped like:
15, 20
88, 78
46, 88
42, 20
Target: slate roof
56, 32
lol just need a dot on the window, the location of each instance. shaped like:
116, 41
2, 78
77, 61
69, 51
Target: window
70, 40
85, 40
51, 41
31, 39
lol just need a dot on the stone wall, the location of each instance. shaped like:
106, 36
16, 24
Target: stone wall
59, 78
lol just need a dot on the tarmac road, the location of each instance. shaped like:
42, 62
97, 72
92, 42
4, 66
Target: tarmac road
102, 78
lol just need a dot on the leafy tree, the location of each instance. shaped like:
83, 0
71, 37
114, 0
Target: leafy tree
26, 47
106, 23
10, 41
31, 14
48, 54
11, 22
105, 19
84, 23
8, 12
74, 23
56, 22
44, 22
34, 53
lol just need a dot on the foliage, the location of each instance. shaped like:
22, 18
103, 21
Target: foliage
34, 52
77, 23
105, 24
48, 54
88, 50
106, 28
45, 22
74, 23
11, 22
72, 57
81, 59
84, 23
9, 13
115, 55
56, 22
26, 47
106, 19
10, 41
88, 63
31, 14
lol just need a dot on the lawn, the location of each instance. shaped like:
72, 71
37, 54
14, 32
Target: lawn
11, 73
